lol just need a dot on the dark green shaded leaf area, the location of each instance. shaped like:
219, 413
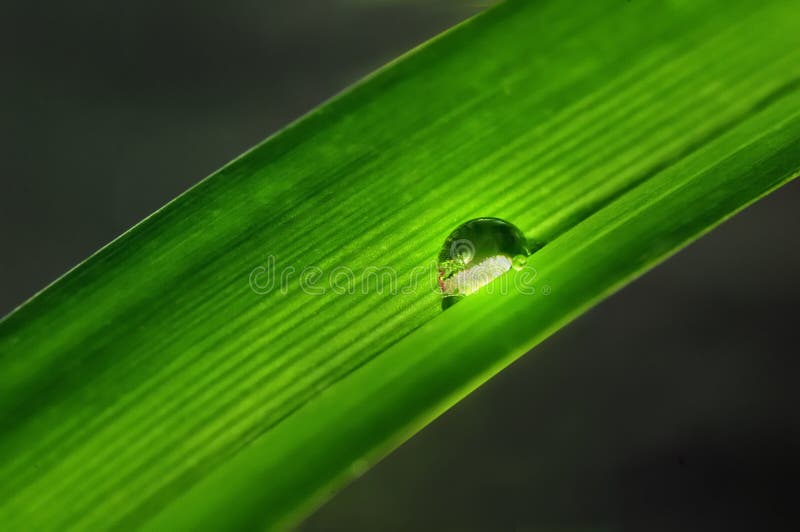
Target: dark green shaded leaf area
163, 384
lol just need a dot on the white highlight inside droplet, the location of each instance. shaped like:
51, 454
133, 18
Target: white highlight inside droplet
473, 278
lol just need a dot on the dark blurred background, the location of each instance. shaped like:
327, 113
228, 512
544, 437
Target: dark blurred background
671, 406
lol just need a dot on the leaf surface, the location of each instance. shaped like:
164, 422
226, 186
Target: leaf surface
164, 383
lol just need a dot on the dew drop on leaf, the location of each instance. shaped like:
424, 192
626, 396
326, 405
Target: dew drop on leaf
477, 252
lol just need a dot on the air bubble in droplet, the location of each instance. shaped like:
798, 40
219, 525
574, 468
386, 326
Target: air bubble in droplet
477, 252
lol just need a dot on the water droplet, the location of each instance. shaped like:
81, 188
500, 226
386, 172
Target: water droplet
477, 252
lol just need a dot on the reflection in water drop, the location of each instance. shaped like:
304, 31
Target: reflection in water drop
477, 252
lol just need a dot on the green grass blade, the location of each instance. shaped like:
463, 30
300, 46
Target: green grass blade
421, 376
152, 380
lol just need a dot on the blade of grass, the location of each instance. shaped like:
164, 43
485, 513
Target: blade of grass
154, 373
384, 402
